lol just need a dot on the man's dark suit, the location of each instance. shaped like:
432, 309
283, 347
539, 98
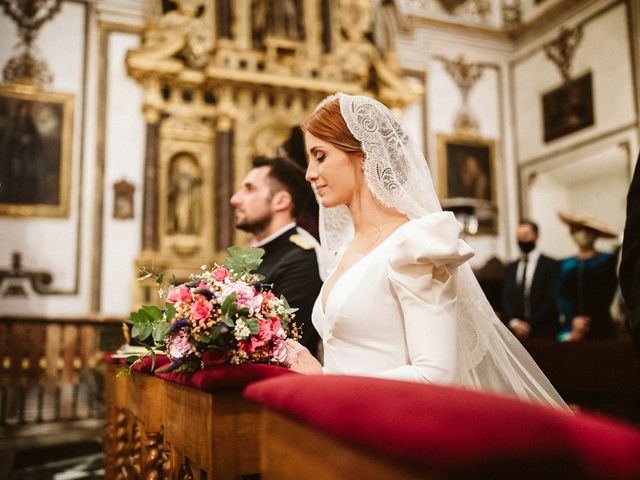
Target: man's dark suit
543, 316
293, 271
629, 275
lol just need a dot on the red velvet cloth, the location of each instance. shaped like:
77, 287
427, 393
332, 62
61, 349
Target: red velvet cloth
216, 378
107, 357
455, 432
144, 365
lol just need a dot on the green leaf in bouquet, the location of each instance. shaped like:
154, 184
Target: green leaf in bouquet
252, 323
132, 358
140, 331
160, 331
214, 333
170, 311
229, 305
243, 260
287, 307
160, 279
228, 321
154, 312
145, 277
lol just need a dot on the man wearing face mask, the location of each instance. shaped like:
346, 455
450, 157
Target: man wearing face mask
528, 296
587, 283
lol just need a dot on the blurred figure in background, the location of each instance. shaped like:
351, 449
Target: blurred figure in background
587, 283
630, 260
528, 298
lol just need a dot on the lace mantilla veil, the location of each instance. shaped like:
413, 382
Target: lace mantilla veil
489, 357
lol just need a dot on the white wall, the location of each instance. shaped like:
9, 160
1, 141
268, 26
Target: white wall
604, 51
124, 160
588, 171
62, 245
51, 244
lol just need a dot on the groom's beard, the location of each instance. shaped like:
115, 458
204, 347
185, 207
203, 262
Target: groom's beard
255, 225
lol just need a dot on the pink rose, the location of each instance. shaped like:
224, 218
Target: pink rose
181, 293
263, 336
246, 347
246, 296
220, 273
276, 328
278, 351
201, 310
178, 345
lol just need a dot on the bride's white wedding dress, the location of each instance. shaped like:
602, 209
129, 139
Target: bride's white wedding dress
411, 308
393, 313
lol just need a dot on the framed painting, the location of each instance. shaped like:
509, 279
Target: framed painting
568, 108
467, 179
35, 151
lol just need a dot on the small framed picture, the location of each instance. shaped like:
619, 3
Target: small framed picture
35, 151
568, 109
467, 179
467, 168
123, 200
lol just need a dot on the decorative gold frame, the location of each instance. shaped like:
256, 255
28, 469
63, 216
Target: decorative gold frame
462, 141
485, 206
65, 133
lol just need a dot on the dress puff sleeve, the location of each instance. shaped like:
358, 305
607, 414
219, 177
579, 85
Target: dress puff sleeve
421, 272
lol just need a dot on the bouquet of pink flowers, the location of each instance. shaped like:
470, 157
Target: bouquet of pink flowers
222, 315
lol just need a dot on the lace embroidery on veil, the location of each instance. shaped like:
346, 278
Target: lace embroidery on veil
489, 357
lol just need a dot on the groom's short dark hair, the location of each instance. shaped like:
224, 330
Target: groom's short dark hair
287, 175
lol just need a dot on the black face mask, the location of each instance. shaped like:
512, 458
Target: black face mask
526, 247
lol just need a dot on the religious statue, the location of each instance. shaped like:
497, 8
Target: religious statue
185, 196
181, 31
281, 19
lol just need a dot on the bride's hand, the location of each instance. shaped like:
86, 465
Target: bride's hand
300, 360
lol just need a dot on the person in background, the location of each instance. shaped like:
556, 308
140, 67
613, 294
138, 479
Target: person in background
587, 283
630, 260
272, 194
528, 296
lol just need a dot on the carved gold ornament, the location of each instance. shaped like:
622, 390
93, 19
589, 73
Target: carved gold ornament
29, 15
561, 50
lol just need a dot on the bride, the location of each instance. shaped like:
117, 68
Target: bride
400, 301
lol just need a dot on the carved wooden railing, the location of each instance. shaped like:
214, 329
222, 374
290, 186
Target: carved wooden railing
192, 427
50, 369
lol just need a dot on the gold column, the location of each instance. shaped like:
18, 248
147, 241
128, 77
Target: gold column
224, 183
242, 24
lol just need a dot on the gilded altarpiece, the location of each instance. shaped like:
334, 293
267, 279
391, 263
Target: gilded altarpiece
225, 81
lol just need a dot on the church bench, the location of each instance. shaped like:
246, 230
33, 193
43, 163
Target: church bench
170, 425
339, 427
211, 431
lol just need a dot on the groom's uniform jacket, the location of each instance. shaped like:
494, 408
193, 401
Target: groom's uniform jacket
543, 315
291, 265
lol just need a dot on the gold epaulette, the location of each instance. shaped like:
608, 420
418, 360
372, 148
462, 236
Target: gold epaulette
301, 242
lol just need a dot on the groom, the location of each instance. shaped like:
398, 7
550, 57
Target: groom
271, 196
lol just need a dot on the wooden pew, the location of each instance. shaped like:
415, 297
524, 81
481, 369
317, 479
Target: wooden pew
194, 426
342, 427
599, 376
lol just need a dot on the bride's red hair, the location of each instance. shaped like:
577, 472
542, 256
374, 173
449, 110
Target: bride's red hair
327, 124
